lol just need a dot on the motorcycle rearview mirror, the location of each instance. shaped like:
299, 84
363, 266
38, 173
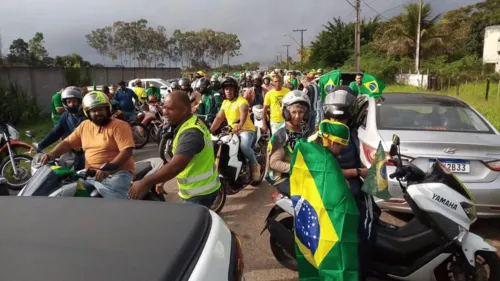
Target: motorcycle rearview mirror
395, 140
394, 150
29, 134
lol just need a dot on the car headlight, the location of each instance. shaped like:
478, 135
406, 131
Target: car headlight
470, 210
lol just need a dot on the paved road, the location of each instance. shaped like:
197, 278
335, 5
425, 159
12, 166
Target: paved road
245, 213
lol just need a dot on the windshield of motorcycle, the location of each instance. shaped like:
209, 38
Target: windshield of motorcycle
42, 183
440, 173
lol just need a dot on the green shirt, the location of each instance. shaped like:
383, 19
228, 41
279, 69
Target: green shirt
295, 83
56, 103
154, 91
354, 86
210, 103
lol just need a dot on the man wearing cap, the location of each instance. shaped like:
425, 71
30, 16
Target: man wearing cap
153, 90
125, 99
140, 91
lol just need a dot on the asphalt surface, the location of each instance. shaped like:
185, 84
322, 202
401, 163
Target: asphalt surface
246, 211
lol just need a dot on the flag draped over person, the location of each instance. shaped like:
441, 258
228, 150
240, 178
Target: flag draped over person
328, 82
326, 215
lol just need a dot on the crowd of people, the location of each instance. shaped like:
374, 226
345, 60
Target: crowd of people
83, 120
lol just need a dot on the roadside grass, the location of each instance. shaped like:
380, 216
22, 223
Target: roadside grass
39, 128
472, 94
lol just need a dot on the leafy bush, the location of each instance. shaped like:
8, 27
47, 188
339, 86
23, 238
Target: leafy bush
16, 104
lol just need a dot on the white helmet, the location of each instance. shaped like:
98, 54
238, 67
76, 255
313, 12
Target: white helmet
292, 98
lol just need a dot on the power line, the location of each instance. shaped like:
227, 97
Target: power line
374, 10
392, 8
352, 5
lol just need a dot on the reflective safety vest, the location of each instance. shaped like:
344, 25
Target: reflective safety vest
200, 176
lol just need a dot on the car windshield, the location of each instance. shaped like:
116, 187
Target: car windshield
430, 117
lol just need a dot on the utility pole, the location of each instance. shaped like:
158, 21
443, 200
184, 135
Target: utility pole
357, 37
417, 55
287, 60
302, 45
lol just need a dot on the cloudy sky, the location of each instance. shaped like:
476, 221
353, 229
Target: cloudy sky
260, 24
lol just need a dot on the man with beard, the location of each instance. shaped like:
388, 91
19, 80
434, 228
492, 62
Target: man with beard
255, 95
108, 146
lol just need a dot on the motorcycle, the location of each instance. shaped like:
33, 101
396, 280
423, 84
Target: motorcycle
435, 245
16, 168
139, 131
18, 147
55, 181
233, 167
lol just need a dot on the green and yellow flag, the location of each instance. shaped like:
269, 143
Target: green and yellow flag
328, 82
371, 86
326, 216
376, 181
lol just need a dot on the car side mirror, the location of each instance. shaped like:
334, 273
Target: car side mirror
29, 134
395, 140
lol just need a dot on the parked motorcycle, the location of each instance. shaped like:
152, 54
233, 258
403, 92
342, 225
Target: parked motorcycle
55, 181
435, 245
139, 131
16, 168
18, 147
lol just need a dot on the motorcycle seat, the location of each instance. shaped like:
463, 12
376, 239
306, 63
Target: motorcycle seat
410, 240
141, 169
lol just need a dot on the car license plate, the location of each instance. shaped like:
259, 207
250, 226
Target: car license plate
455, 166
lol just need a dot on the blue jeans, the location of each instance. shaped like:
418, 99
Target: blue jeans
115, 186
246, 140
204, 201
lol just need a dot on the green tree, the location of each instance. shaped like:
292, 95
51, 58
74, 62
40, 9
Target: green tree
36, 49
484, 14
19, 52
98, 40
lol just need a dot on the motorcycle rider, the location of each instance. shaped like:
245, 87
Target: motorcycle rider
272, 102
57, 107
295, 109
341, 106
150, 108
108, 144
68, 121
211, 101
175, 86
193, 160
214, 83
153, 90
255, 95
140, 91
124, 98
194, 96
267, 83
235, 110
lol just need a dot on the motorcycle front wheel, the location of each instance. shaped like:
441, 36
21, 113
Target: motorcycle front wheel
23, 171
487, 268
220, 200
140, 134
281, 255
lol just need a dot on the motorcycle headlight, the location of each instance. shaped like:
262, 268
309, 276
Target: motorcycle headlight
470, 210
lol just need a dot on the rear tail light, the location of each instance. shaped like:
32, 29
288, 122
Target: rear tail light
494, 165
370, 154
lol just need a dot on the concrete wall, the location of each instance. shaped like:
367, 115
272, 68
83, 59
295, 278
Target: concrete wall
418, 80
43, 82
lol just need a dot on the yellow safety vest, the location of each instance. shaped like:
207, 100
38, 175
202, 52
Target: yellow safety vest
200, 176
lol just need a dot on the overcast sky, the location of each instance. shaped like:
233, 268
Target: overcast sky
260, 24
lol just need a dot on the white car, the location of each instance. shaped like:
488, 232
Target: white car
434, 126
95, 239
161, 84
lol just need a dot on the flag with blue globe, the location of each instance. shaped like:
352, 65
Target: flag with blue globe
326, 216
371, 86
328, 82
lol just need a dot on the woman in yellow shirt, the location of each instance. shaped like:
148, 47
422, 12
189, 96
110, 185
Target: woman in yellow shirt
235, 110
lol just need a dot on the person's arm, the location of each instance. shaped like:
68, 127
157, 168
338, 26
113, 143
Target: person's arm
73, 141
276, 162
58, 105
243, 117
352, 173
247, 95
125, 142
221, 116
267, 103
168, 171
55, 134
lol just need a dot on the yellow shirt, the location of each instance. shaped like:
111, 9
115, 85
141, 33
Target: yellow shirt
273, 101
141, 94
232, 111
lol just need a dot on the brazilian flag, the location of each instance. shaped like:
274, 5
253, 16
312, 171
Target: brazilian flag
328, 82
371, 86
376, 181
326, 216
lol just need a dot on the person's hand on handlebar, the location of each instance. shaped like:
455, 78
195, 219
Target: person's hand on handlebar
101, 175
46, 157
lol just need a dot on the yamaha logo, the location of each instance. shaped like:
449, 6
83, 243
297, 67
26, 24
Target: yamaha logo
450, 150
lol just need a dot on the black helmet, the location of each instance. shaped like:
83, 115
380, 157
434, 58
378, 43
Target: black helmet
340, 104
231, 82
202, 84
184, 82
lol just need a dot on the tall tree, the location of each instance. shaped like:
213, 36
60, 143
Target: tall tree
19, 52
98, 40
36, 48
484, 14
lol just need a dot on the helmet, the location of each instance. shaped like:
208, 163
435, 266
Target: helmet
292, 98
95, 99
257, 77
200, 73
231, 82
137, 81
340, 104
174, 85
184, 82
71, 92
267, 77
202, 84
214, 78
152, 85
